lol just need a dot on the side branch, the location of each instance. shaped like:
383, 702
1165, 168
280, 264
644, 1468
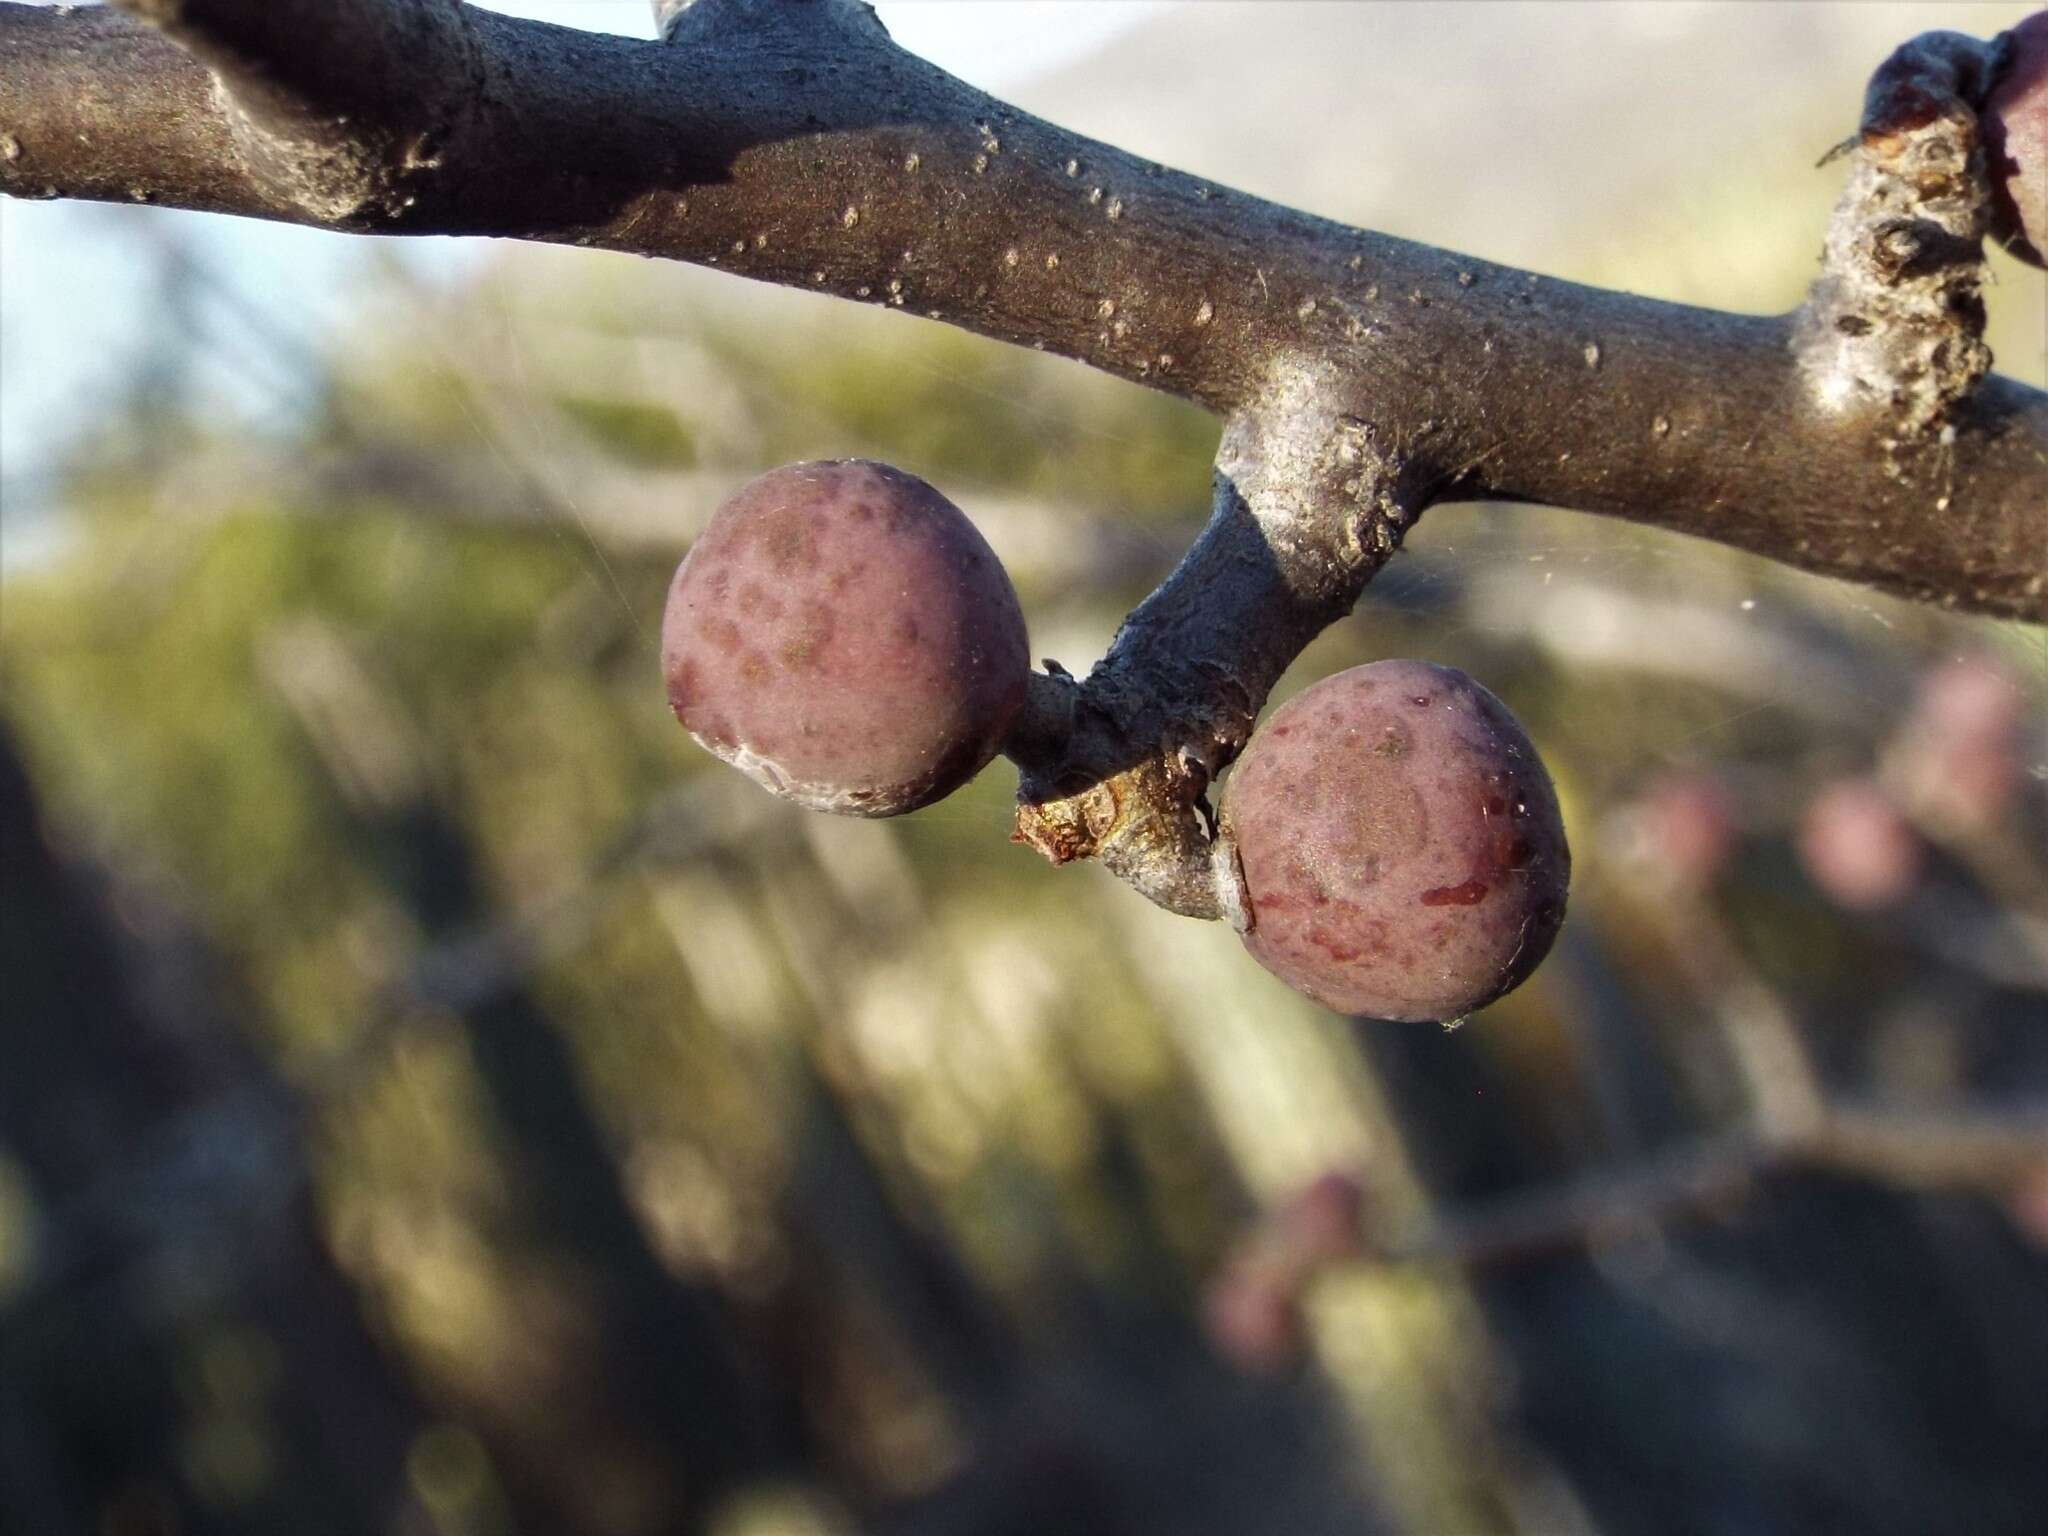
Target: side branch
793, 143
1967, 1149
1308, 506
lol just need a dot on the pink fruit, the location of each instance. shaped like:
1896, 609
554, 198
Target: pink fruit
1252, 1316
2016, 144
1323, 1221
1402, 850
1688, 825
844, 636
1857, 847
1959, 754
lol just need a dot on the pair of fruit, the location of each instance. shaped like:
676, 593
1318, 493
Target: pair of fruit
842, 634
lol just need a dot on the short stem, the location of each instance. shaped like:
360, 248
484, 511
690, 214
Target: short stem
1309, 503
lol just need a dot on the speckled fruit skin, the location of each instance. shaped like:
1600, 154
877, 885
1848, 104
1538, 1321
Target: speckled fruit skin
2016, 141
1401, 845
843, 635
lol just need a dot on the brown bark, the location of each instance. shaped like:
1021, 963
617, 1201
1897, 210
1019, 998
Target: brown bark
1363, 377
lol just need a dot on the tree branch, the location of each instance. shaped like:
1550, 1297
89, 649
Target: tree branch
792, 142
1362, 377
1970, 1149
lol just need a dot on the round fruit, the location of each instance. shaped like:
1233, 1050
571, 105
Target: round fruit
1688, 826
842, 635
1858, 847
1402, 850
2016, 144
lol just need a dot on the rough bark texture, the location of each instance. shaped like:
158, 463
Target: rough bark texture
1362, 376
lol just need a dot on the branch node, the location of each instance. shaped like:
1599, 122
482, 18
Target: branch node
1894, 326
341, 107
1309, 503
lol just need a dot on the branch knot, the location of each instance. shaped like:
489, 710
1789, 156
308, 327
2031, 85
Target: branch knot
1893, 328
343, 108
